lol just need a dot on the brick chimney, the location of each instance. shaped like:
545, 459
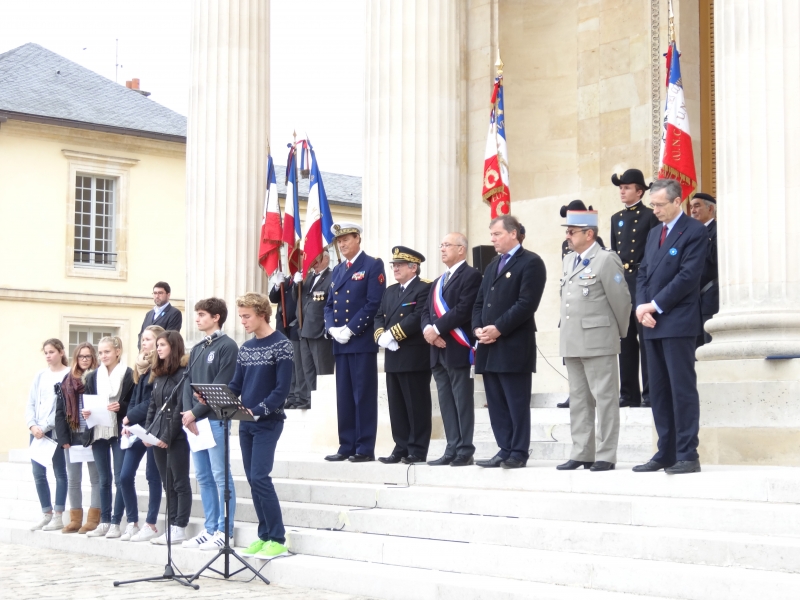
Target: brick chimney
133, 84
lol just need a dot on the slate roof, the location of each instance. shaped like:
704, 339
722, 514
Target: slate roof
340, 189
36, 81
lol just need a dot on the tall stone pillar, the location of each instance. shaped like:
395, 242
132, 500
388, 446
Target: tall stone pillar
415, 145
750, 411
226, 153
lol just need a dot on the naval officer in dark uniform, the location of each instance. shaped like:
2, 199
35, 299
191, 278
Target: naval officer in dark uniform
629, 229
398, 329
357, 288
704, 209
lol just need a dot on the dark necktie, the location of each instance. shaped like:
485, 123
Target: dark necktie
445, 277
577, 260
663, 235
501, 265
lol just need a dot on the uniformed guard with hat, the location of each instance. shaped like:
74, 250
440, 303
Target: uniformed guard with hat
704, 209
629, 229
398, 329
356, 290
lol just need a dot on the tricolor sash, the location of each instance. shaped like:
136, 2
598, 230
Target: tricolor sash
440, 306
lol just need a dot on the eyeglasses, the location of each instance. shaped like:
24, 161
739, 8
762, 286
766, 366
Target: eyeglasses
659, 204
572, 232
443, 246
81, 357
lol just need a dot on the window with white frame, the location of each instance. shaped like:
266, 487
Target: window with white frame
95, 209
82, 333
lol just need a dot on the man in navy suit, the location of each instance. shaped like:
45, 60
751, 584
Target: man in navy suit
503, 322
357, 288
668, 293
164, 314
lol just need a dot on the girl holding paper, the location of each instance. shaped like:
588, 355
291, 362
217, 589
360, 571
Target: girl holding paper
164, 422
71, 430
112, 380
137, 415
40, 416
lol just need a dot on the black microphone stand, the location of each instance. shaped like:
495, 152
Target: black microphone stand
170, 568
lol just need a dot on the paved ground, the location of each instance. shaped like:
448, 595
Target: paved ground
27, 573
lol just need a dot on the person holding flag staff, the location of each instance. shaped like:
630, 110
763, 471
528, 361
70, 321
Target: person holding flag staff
355, 297
446, 325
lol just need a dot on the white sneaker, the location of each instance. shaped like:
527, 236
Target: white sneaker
114, 532
215, 542
197, 541
55, 523
131, 530
46, 518
145, 534
101, 530
178, 535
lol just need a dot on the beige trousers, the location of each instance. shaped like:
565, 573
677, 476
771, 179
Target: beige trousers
594, 388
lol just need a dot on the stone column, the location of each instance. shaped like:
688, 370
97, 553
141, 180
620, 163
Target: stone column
749, 409
415, 149
226, 152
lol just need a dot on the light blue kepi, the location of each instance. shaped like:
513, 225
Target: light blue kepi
581, 218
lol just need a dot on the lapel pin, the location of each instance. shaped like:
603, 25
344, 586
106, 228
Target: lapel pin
508, 274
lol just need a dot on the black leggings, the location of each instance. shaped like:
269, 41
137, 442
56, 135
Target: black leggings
179, 490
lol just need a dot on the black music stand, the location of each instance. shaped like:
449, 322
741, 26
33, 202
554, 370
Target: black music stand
227, 407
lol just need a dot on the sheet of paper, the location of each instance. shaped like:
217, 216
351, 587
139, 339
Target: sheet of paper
126, 441
42, 450
140, 432
205, 438
80, 454
100, 414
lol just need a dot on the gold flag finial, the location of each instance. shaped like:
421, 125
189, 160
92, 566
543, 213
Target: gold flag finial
671, 23
499, 64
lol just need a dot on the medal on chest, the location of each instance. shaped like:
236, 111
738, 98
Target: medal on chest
585, 291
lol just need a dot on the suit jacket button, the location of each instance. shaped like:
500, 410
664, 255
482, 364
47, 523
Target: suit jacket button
489, 305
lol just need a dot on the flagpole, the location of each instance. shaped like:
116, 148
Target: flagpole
671, 23
297, 244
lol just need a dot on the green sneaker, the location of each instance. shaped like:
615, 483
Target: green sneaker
272, 550
253, 548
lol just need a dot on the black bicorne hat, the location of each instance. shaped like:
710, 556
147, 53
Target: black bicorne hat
574, 205
630, 176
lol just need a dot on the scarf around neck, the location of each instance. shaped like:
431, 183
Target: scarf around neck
72, 388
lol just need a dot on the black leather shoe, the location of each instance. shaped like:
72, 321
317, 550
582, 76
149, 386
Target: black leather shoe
336, 457
462, 461
491, 463
302, 405
623, 402
392, 459
564, 404
683, 466
601, 465
571, 465
646, 403
411, 459
440, 462
649, 467
513, 463
359, 458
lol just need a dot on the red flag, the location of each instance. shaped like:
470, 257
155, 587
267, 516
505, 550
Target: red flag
269, 250
495, 167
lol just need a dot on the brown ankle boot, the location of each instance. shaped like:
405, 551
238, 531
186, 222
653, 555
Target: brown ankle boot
75, 521
92, 521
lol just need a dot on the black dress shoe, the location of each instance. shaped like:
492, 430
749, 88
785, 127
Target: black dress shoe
336, 457
646, 403
513, 463
623, 402
462, 461
302, 405
564, 404
683, 466
411, 459
392, 459
359, 458
571, 465
439, 462
649, 467
601, 465
491, 463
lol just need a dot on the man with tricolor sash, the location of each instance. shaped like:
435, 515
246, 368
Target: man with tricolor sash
446, 323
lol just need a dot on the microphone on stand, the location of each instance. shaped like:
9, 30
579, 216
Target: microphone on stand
210, 338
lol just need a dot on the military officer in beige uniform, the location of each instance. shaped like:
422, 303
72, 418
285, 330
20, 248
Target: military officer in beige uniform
595, 314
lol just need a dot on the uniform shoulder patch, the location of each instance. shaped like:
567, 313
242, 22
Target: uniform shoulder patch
381, 278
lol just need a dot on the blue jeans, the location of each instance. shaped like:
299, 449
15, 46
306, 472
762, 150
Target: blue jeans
40, 479
127, 481
209, 468
102, 450
258, 440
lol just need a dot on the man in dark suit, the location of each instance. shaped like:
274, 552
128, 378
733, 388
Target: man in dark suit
446, 324
504, 325
316, 349
704, 209
357, 288
668, 292
407, 366
629, 229
286, 322
164, 314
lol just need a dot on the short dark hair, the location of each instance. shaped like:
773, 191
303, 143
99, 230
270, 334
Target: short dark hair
164, 286
176, 351
640, 188
213, 306
510, 223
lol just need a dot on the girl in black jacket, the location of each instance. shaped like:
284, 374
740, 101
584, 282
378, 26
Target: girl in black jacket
164, 422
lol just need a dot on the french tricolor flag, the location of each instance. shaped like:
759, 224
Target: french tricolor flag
318, 217
677, 157
291, 215
269, 249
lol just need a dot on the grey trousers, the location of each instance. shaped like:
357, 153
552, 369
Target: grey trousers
299, 390
74, 480
317, 357
594, 390
457, 404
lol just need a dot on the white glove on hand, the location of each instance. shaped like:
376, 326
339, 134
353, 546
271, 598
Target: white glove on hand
385, 339
393, 345
298, 277
275, 280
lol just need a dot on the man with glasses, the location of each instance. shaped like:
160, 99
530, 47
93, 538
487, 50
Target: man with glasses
163, 314
595, 314
629, 229
704, 209
446, 326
